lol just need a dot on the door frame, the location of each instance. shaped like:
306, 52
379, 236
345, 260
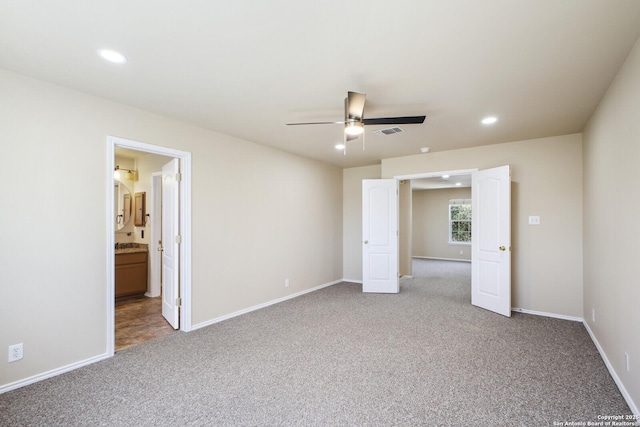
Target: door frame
154, 253
185, 231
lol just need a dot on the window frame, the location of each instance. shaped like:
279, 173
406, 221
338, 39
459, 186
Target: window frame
463, 202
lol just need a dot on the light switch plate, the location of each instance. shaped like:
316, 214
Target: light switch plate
534, 220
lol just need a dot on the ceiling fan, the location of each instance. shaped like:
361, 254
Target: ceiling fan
354, 120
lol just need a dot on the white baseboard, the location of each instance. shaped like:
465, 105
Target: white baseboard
263, 305
52, 373
614, 375
542, 313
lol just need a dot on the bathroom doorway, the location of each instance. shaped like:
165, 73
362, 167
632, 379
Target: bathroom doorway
138, 272
136, 315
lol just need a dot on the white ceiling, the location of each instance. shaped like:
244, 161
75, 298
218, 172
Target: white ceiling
438, 182
247, 67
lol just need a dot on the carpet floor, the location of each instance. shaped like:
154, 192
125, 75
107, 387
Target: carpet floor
338, 357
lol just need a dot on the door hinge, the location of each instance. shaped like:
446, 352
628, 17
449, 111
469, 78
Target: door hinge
178, 177
178, 302
178, 239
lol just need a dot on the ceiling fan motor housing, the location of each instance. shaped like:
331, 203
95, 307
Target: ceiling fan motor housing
354, 120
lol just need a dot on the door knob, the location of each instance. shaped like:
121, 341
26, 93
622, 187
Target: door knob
366, 242
502, 248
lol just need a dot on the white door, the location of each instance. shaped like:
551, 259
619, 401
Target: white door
380, 236
491, 241
170, 242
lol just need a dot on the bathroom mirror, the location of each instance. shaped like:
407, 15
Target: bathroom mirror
123, 205
140, 216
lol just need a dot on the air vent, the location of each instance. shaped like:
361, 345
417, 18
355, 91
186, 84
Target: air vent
389, 131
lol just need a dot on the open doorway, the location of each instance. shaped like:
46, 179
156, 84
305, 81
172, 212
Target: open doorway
491, 243
438, 236
138, 237
137, 307
435, 220
424, 223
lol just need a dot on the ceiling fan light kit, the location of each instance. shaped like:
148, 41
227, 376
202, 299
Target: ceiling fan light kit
354, 128
354, 121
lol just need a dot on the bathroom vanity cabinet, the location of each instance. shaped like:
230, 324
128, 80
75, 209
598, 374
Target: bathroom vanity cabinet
131, 273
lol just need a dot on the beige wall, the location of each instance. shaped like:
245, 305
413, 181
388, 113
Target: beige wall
352, 218
430, 233
259, 216
611, 227
546, 181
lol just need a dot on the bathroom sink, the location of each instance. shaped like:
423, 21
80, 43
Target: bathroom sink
125, 248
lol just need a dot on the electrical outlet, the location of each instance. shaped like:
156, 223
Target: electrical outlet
534, 220
461, 252
286, 283
15, 352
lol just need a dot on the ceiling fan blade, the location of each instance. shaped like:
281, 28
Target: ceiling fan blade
355, 105
316, 123
407, 120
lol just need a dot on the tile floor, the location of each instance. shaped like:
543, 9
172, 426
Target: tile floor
139, 319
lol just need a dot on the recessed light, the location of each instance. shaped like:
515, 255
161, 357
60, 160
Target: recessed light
458, 184
489, 120
445, 176
424, 149
339, 146
112, 56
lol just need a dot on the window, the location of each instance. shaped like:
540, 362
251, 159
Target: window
460, 221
